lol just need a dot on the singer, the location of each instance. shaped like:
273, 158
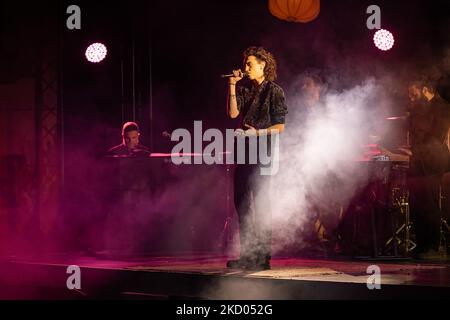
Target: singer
262, 110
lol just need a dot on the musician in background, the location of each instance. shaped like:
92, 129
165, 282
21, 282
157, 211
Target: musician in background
312, 87
428, 122
318, 236
128, 183
308, 96
130, 146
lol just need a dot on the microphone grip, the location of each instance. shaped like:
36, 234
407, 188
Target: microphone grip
244, 74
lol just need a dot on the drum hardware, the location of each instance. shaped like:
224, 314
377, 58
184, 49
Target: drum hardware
401, 239
396, 205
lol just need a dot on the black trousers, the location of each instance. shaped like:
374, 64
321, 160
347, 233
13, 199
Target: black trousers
427, 168
425, 211
251, 199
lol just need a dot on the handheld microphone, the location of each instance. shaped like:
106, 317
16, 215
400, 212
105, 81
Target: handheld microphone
244, 74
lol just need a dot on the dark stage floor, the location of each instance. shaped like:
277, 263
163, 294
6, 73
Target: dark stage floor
204, 276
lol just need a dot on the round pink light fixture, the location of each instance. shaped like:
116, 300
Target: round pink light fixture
384, 40
96, 52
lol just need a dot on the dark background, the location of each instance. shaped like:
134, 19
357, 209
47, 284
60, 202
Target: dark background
164, 64
193, 42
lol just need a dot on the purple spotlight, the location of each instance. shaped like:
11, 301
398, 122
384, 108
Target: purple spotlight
96, 52
384, 40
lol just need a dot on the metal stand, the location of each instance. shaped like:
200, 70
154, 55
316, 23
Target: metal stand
225, 235
400, 244
401, 239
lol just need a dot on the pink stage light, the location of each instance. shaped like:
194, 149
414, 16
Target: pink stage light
96, 52
384, 40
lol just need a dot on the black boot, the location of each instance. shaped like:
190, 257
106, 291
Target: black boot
239, 264
261, 263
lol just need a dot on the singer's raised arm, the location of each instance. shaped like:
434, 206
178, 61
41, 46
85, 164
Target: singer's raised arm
233, 95
233, 110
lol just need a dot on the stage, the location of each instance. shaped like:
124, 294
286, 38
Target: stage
204, 277
143, 144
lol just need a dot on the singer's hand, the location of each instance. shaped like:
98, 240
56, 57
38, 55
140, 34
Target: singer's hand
252, 132
238, 75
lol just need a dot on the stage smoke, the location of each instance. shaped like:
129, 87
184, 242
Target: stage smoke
320, 171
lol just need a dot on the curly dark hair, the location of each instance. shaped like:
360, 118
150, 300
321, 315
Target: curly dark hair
270, 70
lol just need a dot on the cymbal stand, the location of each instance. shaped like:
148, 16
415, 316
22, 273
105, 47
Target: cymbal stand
225, 235
402, 236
